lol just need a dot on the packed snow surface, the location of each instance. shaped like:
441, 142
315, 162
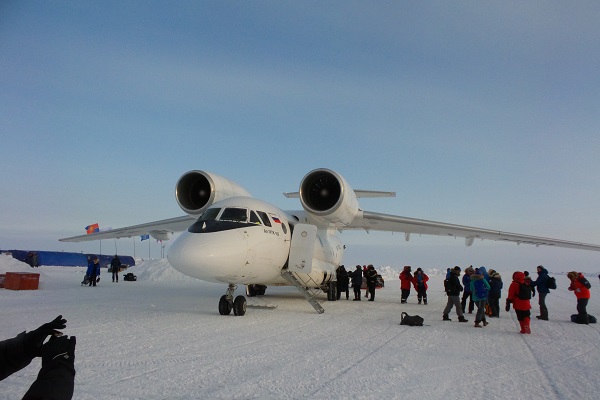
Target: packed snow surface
163, 338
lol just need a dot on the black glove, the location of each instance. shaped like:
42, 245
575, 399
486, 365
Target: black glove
507, 308
532, 291
59, 350
35, 339
56, 379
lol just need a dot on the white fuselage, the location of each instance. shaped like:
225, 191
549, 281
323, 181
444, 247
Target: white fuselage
219, 248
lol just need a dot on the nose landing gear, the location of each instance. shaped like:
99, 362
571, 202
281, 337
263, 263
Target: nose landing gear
227, 303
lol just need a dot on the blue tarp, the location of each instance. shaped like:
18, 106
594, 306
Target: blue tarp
62, 258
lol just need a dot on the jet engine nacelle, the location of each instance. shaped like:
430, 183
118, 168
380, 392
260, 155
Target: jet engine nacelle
197, 190
328, 198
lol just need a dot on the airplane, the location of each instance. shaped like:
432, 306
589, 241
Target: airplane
228, 236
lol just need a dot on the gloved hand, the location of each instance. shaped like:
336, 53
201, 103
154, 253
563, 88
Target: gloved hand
532, 291
56, 379
507, 308
35, 339
59, 351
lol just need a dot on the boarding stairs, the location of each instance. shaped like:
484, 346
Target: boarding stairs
302, 287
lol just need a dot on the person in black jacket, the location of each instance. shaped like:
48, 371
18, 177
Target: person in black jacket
56, 378
453, 289
343, 282
115, 265
371, 281
357, 277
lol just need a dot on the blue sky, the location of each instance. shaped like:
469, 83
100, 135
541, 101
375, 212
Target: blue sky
478, 113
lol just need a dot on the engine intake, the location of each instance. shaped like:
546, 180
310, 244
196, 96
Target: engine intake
328, 197
197, 190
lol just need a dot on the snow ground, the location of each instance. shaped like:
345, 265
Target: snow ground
162, 338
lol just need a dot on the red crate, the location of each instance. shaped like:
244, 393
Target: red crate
21, 281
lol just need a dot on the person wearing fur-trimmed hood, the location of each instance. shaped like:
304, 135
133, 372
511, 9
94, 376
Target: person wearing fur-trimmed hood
495, 293
581, 287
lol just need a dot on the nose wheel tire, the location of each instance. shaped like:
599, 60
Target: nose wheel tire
239, 306
225, 306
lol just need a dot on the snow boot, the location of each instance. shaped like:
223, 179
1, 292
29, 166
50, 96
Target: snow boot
527, 328
462, 319
477, 325
523, 330
485, 323
542, 318
446, 318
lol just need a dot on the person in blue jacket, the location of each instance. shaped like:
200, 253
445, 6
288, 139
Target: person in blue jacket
56, 379
93, 270
480, 289
542, 289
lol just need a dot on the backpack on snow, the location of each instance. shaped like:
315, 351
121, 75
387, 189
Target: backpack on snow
411, 320
129, 277
480, 289
551, 282
524, 291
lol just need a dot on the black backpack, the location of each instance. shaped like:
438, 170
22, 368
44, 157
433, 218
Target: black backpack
585, 283
524, 291
411, 320
551, 282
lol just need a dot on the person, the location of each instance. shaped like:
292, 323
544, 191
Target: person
495, 293
542, 288
406, 281
453, 289
420, 282
56, 378
479, 291
342, 282
529, 282
357, 277
115, 265
520, 302
371, 281
581, 287
466, 281
364, 282
93, 270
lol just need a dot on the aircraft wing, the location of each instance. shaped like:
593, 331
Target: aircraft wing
384, 222
158, 229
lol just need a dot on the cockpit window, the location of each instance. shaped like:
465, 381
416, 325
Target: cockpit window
210, 214
264, 217
234, 214
254, 218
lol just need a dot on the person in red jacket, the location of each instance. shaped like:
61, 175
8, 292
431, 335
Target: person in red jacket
406, 281
581, 287
420, 283
517, 295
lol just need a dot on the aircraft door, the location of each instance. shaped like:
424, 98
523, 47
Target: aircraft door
301, 248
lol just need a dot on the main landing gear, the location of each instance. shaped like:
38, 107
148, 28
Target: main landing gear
227, 303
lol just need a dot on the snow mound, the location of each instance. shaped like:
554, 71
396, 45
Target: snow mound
156, 270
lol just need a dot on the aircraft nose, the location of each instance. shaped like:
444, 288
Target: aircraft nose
203, 256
